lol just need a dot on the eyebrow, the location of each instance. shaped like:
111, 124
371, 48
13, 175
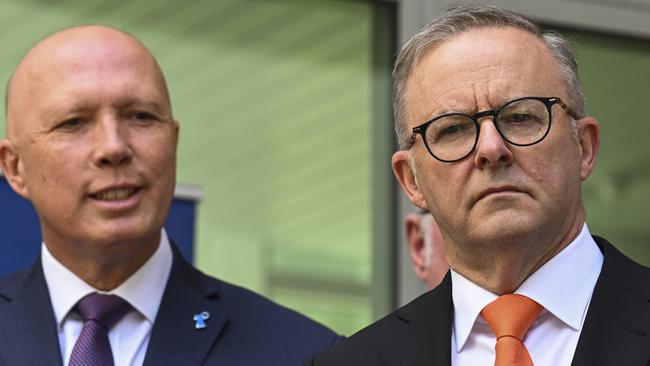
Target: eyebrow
138, 102
446, 110
66, 109
443, 112
80, 107
500, 103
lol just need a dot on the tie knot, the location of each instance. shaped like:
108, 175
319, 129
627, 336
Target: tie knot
511, 315
105, 309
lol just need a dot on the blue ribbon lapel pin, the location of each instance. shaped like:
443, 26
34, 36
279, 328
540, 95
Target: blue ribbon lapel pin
199, 320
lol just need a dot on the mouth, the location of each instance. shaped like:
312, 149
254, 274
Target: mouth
115, 194
498, 190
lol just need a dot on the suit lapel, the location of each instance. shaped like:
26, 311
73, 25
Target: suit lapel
617, 327
425, 339
174, 338
28, 334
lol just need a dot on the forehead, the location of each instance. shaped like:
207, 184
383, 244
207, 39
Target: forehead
103, 74
84, 68
98, 58
480, 69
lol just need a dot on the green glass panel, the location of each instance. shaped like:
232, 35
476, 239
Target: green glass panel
274, 100
616, 76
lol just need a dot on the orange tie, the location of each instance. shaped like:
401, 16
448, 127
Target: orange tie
509, 317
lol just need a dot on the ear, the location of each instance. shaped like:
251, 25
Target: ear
416, 245
407, 179
12, 167
177, 127
589, 138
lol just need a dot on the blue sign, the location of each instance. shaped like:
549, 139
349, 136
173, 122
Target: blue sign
20, 234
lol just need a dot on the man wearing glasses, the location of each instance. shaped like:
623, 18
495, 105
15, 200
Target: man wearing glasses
495, 142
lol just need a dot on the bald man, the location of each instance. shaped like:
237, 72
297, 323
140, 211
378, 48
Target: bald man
91, 142
426, 248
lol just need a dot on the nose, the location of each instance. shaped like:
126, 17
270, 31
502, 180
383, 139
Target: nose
491, 148
112, 144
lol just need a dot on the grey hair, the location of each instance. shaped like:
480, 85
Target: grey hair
463, 18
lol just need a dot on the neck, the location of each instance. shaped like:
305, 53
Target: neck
502, 268
104, 267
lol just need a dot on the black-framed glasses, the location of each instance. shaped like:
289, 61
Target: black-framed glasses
522, 122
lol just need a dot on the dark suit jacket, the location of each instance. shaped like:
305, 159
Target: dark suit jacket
615, 332
243, 329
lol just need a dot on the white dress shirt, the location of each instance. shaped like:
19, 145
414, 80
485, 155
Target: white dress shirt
129, 338
563, 286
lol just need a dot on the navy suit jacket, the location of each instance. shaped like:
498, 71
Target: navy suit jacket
243, 329
616, 330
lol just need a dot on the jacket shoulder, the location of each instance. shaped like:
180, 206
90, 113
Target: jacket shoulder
361, 348
263, 324
247, 308
364, 347
630, 275
10, 283
265, 311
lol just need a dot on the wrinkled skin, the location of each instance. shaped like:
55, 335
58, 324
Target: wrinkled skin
504, 210
92, 144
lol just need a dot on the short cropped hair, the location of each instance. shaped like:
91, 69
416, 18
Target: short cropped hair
463, 18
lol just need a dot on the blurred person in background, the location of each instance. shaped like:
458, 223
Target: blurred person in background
426, 248
495, 141
91, 142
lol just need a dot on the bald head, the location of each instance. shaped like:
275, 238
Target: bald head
92, 144
72, 49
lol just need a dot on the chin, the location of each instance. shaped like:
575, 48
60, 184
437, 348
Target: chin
505, 227
126, 234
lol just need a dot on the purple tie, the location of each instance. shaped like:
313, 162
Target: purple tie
99, 313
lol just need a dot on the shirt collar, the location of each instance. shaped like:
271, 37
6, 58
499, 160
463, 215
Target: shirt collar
143, 290
573, 274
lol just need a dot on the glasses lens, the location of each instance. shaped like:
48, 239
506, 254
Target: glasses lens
451, 137
524, 121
